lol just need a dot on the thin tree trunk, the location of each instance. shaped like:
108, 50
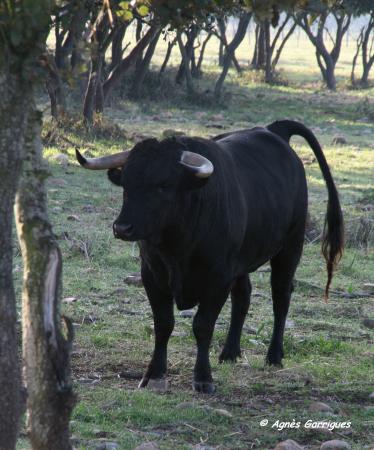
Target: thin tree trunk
202, 52
167, 56
230, 49
268, 53
90, 95
46, 350
191, 36
14, 94
117, 73
141, 70
117, 45
185, 62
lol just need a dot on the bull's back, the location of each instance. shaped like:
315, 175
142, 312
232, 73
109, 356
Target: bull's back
272, 190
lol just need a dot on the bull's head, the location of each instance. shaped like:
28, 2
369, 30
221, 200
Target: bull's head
154, 176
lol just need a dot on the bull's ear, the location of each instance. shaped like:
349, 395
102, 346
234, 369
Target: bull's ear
114, 176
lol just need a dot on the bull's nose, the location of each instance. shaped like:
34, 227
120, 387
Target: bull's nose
122, 230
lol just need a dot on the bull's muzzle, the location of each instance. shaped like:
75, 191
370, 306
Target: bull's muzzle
123, 231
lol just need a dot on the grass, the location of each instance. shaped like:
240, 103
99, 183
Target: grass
329, 352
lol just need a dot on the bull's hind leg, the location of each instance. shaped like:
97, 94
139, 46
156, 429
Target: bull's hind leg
283, 268
163, 317
240, 300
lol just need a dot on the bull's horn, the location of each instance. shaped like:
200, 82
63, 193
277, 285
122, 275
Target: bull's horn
201, 166
104, 162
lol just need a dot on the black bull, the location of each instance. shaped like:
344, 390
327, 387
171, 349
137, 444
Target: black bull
206, 220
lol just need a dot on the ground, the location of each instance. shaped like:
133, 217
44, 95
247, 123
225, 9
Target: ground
329, 354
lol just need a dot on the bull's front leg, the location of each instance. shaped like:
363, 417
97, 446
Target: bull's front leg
203, 327
163, 317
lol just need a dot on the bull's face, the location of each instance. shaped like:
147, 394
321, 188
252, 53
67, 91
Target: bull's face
155, 177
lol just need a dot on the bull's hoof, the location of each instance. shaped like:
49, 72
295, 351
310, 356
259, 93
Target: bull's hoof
274, 360
155, 384
229, 355
204, 387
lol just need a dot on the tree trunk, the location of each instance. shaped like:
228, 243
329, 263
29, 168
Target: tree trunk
191, 36
14, 94
167, 56
202, 52
268, 53
90, 96
185, 64
330, 75
230, 50
326, 59
46, 350
261, 48
117, 73
117, 45
141, 70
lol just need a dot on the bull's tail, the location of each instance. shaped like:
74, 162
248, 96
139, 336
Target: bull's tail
333, 233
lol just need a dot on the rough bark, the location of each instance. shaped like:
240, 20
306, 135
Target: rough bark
230, 50
46, 347
13, 118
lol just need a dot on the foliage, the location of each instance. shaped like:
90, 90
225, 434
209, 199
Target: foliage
24, 23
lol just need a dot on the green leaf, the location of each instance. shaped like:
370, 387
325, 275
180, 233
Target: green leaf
143, 10
125, 15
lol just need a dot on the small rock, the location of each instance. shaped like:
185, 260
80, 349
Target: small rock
170, 133
58, 181
290, 323
184, 405
101, 433
107, 446
222, 412
218, 117
73, 218
69, 299
179, 334
371, 397
368, 323
187, 313
159, 385
133, 279
369, 287
320, 407
147, 446
61, 159
89, 208
335, 444
250, 330
339, 140
289, 444
202, 447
